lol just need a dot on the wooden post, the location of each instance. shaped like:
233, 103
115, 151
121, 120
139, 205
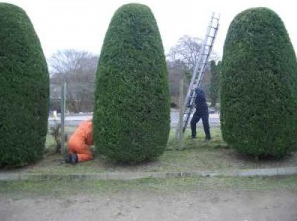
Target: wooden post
181, 114
63, 107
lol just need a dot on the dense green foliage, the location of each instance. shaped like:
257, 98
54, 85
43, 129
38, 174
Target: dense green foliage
132, 114
215, 70
24, 89
259, 85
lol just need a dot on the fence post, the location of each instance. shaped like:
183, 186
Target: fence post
181, 114
63, 107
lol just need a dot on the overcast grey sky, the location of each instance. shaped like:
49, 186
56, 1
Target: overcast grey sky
82, 24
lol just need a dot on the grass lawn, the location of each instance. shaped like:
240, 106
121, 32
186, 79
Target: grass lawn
196, 155
62, 187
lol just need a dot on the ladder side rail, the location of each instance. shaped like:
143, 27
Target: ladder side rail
200, 65
203, 49
202, 70
201, 74
195, 71
186, 121
191, 98
191, 95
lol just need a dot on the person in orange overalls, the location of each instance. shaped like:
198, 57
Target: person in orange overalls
79, 144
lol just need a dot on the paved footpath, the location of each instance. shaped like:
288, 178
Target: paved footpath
8, 176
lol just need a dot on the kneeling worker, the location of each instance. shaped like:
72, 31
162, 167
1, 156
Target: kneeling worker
79, 144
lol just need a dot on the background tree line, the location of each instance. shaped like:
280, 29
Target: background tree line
78, 68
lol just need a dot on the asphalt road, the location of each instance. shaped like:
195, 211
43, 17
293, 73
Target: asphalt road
75, 119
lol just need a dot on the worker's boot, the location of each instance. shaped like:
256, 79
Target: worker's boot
68, 158
207, 138
74, 159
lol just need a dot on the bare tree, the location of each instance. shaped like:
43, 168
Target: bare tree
186, 50
181, 61
77, 69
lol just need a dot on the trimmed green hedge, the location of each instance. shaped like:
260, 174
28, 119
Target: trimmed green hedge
24, 94
132, 103
259, 85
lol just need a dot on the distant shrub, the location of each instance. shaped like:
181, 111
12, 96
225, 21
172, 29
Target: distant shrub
215, 70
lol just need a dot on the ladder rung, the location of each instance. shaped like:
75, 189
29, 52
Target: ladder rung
214, 27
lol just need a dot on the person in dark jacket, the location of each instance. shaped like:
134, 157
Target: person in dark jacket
201, 112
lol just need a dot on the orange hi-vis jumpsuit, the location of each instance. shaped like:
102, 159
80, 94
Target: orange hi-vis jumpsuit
80, 141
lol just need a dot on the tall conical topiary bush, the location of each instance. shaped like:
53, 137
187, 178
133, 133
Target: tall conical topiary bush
24, 89
132, 104
259, 85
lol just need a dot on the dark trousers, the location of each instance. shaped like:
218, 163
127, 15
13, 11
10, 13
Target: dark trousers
196, 117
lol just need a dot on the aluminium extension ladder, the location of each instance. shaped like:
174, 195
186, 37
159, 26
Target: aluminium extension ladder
200, 65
